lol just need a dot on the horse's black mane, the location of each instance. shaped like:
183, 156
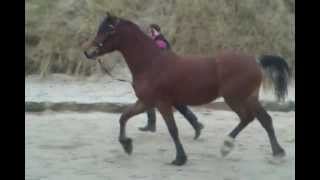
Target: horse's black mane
107, 21
114, 21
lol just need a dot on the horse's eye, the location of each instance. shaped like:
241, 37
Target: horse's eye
110, 28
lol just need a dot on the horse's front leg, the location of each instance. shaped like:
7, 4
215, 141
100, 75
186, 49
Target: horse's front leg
131, 111
167, 114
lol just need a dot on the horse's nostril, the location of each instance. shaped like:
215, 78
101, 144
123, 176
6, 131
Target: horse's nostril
86, 54
91, 53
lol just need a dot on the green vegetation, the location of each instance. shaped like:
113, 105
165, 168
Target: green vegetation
55, 30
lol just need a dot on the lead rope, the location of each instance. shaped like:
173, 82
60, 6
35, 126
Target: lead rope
107, 72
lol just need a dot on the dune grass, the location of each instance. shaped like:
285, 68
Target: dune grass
55, 30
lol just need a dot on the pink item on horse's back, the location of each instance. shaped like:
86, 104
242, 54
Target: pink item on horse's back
161, 44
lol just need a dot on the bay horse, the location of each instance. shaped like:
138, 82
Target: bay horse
162, 79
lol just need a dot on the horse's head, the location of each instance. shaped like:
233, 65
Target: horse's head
106, 39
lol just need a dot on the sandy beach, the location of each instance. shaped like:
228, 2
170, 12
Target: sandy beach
84, 146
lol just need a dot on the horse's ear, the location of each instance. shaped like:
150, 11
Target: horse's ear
112, 18
110, 15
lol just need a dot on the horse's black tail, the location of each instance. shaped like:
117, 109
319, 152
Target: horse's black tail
277, 70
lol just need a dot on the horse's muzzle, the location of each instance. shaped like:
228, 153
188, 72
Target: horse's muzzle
87, 55
91, 53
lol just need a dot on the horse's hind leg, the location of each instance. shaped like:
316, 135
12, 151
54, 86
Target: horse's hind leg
266, 122
132, 110
247, 111
167, 114
246, 116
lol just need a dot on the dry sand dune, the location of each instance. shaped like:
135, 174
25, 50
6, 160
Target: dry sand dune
75, 146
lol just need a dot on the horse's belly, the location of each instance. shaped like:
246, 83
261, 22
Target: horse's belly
200, 101
203, 98
197, 95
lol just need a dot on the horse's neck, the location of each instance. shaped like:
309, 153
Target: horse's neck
139, 52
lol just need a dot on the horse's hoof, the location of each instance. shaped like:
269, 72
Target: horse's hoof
127, 145
198, 131
277, 159
179, 161
227, 146
280, 154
